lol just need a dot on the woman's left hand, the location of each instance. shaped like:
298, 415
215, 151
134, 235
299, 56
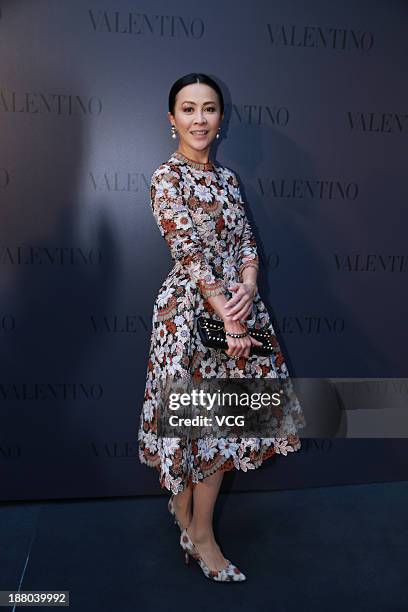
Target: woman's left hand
240, 305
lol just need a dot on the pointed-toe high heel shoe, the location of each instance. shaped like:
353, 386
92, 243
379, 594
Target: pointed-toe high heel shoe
230, 573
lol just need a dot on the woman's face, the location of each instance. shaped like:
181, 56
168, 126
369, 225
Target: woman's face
197, 108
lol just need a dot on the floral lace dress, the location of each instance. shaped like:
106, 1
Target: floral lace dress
200, 213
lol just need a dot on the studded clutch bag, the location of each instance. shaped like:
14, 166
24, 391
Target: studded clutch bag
212, 334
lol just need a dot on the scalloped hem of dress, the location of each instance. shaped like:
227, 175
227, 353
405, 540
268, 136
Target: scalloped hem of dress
227, 466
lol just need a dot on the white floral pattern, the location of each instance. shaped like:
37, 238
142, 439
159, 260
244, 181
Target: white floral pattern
201, 215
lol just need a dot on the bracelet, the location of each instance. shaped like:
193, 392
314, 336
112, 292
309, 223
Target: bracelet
236, 335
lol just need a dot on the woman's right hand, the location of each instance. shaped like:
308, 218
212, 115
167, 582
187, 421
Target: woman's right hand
238, 347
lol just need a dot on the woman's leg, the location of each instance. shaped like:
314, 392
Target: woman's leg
183, 505
201, 529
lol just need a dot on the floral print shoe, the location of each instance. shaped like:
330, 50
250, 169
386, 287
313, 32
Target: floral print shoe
230, 573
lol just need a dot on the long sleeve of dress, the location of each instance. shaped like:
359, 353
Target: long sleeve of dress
177, 227
247, 251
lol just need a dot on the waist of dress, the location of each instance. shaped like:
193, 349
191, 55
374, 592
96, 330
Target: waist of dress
228, 271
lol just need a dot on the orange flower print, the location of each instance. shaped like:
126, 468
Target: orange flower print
170, 326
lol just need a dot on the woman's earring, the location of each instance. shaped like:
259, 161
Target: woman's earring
218, 133
173, 132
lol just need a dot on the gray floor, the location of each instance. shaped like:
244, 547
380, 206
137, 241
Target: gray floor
337, 548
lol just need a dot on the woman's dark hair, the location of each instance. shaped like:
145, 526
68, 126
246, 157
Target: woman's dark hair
189, 79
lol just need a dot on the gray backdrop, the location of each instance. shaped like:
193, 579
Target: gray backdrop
316, 129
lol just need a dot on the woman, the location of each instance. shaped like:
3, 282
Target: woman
199, 210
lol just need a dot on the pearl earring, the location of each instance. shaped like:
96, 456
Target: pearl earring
218, 133
173, 132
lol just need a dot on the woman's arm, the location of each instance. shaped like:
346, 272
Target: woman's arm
250, 276
247, 251
240, 305
247, 263
177, 227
